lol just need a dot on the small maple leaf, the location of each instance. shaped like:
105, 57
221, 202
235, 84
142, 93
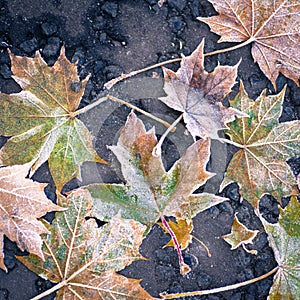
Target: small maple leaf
240, 235
182, 229
284, 238
83, 259
22, 202
260, 165
41, 118
198, 94
272, 26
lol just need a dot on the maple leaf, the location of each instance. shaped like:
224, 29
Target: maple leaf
198, 94
41, 118
284, 238
182, 229
83, 259
151, 192
272, 26
240, 235
22, 202
260, 165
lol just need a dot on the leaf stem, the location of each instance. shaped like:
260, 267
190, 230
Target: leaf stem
112, 82
109, 97
184, 268
231, 143
166, 124
203, 245
220, 289
50, 291
157, 149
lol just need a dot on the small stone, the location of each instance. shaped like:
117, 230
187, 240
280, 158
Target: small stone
110, 8
176, 23
175, 287
49, 28
29, 46
43, 285
226, 207
112, 71
99, 23
233, 192
254, 80
5, 71
177, 4
214, 212
191, 260
52, 47
9, 261
203, 281
103, 38
99, 65
262, 241
194, 8
79, 56
75, 87
151, 2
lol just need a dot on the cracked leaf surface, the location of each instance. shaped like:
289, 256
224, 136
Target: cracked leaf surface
40, 119
86, 258
22, 202
199, 94
273, 26
260, 165
284, 238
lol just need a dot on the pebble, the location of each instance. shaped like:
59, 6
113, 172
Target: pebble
79, 56
5, 71
176, 23
29, 46
42, 285
261, 242
99, 23
9, 261
214, 212
110, 8
233, 192
203, 281
52, 47
112, 71
226, 207
175, 287
49, 28
98, 66
236, 296
191, 260
75, 86
194, 8
177, 4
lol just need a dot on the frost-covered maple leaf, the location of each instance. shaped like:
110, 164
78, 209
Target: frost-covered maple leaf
272, 26
22, 202
199, 94
41, 118
265, 144
83, 259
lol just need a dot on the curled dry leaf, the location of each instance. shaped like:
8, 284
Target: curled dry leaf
260, 165
151, 192
83, 259
240, 235
22, 202
272, 26
41, 118
284, 238
199, 94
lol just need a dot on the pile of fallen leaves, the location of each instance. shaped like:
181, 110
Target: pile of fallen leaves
42, 125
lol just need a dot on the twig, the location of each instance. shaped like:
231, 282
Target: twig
112, 82
220, 289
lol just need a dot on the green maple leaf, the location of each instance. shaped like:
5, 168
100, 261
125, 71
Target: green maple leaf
284, 238
83, 259
260, 165
41, 118
150, 192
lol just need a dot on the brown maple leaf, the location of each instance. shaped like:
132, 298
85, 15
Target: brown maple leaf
41, 120
272, 26
83, 259
198, 94
22, 201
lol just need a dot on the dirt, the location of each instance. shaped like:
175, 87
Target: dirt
107, 38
